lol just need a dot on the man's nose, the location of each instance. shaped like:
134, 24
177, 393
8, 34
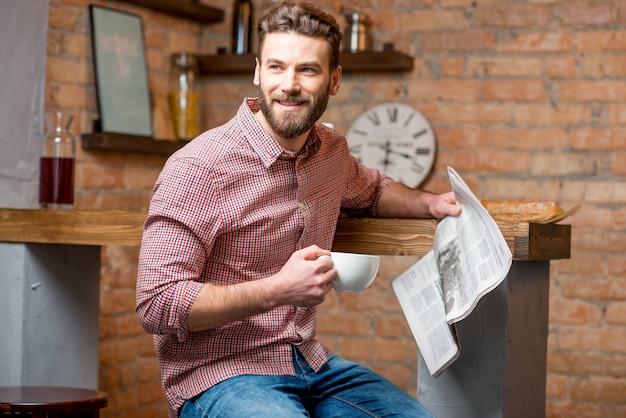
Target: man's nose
290, 82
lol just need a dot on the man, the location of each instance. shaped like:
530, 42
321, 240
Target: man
230, 270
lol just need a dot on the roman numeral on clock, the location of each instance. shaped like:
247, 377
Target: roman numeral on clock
374, 118
392, 113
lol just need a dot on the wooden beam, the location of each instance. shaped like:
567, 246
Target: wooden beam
409, 237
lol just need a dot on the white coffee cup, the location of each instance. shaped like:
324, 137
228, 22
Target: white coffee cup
355, 272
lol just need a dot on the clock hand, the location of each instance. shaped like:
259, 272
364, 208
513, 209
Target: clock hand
389, 150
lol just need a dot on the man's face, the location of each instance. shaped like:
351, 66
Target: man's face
294, 83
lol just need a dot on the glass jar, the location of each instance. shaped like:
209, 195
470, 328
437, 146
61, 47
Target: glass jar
183, 97
56, 165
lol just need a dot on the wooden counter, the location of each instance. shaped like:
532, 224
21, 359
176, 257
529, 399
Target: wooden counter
51, 279
411, 237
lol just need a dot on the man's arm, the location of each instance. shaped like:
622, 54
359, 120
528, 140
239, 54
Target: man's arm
304, 281
400, 201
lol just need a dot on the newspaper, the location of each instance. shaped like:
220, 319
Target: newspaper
469, 258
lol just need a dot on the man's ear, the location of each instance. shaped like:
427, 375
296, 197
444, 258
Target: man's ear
257, 69
335, 80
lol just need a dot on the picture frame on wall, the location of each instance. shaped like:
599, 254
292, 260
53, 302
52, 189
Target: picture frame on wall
121, 72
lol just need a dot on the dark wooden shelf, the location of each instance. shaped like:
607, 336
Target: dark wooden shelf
187, 9
360, 61
129, 143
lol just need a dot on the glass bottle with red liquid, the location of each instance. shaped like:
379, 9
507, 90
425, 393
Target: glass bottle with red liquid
56, 166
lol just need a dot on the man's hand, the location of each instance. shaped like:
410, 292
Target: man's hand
305, 279
444, 204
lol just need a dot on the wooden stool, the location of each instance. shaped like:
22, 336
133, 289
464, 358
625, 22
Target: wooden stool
50, 402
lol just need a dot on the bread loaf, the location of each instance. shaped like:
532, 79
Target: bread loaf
539, 211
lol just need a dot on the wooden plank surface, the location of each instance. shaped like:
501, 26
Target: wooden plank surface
410, 237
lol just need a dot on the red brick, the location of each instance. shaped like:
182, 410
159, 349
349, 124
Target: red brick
556, 409
537, 114
584, 14
616, 365
592, 91
595, 192
357, 348
432, 20
599, 139
117, 302
544, 42
528, 139
556, 385
617, 264
100, 177
564, 164
502, 161
72, 96
459, 138
452, 66
599, 389
343, 324
455, 90
561, 67
594, 288
621, 14
606, 340
603, 65
617, 114
503, 189
392, 351
391, 327
491, 66
618, 164
514, 90
601, 40
512, 16
475, 113
616, 313
591, 215
576, 363
458, 42
574, 312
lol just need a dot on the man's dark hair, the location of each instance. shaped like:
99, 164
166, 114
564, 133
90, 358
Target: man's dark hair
305, 19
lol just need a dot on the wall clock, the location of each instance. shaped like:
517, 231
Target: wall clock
396, 139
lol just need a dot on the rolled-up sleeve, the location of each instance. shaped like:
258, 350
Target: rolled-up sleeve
363, 189
173, 256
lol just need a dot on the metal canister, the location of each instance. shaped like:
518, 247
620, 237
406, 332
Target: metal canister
356, 35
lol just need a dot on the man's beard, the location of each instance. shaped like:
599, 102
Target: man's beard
291, 124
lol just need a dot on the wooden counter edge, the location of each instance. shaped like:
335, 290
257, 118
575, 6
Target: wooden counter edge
409, 237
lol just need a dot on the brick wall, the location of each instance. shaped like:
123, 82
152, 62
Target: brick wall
527, 98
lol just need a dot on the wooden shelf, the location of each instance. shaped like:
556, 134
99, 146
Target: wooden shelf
192, 10
131, 143
359, 62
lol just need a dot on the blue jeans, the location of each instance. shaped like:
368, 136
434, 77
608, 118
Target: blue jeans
340, 389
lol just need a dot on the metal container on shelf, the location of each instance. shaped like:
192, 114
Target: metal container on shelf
356, 36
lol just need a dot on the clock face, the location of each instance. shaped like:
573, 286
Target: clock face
396, 139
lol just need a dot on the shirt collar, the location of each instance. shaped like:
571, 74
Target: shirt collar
268, 149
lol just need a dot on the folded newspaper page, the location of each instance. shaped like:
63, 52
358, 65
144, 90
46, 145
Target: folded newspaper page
469, 258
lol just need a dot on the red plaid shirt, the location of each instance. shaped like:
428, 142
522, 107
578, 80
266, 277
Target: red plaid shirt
233, 206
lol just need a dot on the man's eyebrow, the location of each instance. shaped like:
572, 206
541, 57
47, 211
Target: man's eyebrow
314, 64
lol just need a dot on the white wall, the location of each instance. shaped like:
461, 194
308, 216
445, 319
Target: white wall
23, 32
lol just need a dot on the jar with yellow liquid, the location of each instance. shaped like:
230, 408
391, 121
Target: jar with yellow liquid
183, 97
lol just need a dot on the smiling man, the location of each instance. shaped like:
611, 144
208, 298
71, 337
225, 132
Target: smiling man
230, 268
